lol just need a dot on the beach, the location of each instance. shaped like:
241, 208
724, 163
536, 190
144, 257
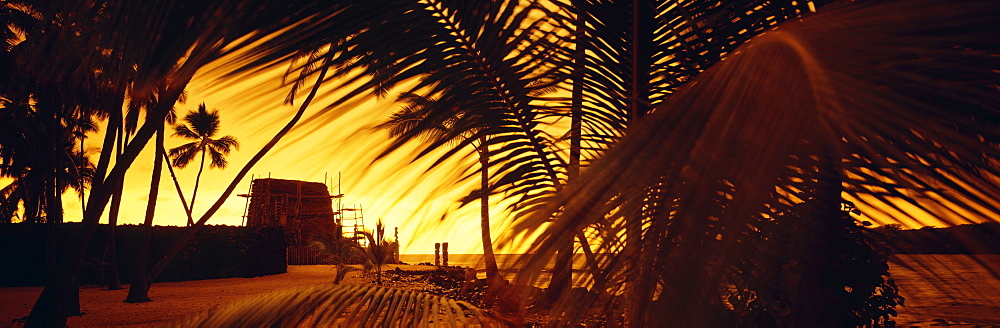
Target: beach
953, 290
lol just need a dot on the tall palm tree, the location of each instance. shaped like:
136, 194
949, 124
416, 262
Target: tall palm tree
143, 46
202, 126
139, 288
486, 65
403, 122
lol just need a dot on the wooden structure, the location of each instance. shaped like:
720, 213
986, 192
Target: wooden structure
304, 209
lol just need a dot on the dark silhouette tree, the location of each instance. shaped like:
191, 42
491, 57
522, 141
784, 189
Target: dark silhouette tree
136, 47
139, 288
202, 127
403, 122
718, 158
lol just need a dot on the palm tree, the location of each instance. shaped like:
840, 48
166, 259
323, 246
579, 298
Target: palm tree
139, 288
403, 122
792, 122
23, 153
378, 252
201, 127
162, 43
735, 156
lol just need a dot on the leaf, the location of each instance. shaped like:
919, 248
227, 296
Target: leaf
344, 305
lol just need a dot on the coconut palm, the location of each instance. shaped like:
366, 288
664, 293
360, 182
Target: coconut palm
137, 48
23, 153
139, 288
794, 121
484, 65
403, 122
378, 252
201, 126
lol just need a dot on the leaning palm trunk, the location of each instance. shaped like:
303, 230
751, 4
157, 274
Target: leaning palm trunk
197, 180
177, 184
157, 42
111, 248
52, 308
138, 291
189, 233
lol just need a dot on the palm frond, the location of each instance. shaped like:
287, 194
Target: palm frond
893, 100
203, 123
344, 305
224, 145
218, 158
185, 132
184, 154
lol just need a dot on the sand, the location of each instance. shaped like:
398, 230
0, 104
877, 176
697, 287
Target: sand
171, 300
975, 305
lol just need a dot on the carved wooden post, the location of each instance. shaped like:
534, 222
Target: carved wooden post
444, 251
437, 254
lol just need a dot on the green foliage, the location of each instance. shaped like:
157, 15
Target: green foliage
341, 251
775, 256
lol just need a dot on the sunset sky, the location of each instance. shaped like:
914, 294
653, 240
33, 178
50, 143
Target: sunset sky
342, 141
339, 141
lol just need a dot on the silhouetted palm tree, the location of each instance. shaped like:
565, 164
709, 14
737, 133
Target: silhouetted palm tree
137, 48
139, 288
202, 126
853, 101
403, 122
791, 122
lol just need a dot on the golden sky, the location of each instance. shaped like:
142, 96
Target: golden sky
342, 141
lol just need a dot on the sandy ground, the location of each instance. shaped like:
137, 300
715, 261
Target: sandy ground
171, 300
932, 297
948, 290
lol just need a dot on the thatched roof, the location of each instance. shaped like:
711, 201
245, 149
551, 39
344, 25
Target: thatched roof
299, 206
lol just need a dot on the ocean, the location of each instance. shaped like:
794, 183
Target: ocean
506, 262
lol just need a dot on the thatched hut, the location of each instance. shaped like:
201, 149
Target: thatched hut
303, 208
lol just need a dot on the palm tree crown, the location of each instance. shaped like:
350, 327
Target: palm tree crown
202, 126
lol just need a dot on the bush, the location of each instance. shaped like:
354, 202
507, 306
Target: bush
214, 252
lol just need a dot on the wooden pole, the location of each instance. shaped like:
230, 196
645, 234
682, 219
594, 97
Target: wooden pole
444, 255
437, 254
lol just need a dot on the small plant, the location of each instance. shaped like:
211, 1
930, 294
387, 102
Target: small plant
378, 252
343, 251
340, 251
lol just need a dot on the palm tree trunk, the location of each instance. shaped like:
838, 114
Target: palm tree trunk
492, 270
138, 291
177, 184
637, 108
56, 301
194, 194
114, 281
189, 233
83, 191
562, 274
